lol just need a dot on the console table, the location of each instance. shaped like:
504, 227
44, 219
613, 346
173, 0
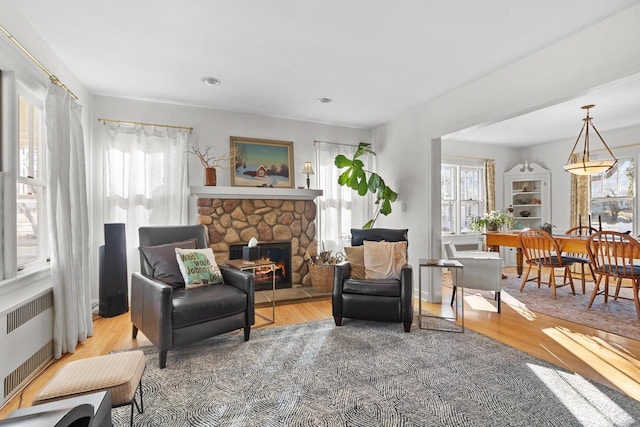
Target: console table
456, 268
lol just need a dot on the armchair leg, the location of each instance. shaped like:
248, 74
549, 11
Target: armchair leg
498, 300
407, 326
453, 294
247, 331
163, 359
134, 332
338, 320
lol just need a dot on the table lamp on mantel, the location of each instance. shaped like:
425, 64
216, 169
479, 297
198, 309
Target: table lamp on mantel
308, 170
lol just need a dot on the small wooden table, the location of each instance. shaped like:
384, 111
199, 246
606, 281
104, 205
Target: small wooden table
456, 268
240, 264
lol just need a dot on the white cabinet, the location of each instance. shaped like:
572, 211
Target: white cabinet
527, 190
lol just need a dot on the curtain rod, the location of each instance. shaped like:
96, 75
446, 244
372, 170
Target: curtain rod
316, 141
126, 122
52, 77
464, 157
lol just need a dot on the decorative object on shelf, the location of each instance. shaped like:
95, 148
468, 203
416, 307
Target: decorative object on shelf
525, 213
525, 187
356, 177
548, 227
262, 162
536, 201
210, 163
308, 170
491, 221
581, 164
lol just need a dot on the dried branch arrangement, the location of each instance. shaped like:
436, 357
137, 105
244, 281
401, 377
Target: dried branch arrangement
208, 160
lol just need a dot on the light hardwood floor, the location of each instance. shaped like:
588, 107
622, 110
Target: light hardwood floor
600, 356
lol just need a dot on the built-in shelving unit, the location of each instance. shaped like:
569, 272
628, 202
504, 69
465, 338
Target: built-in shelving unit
527, 190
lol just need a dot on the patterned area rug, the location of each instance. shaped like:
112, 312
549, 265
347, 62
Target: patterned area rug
618, 317
367, 374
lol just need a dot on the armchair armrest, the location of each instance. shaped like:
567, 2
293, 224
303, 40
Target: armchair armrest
244, 281
406, 293
151, 309
341, 272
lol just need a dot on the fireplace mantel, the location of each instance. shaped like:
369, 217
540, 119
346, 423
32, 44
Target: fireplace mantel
217, 192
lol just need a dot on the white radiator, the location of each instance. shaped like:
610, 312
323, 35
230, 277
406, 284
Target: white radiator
26, 342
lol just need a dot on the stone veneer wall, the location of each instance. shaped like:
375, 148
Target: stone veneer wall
232, 221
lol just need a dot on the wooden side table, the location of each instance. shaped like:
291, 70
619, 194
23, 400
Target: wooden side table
456, 268
240, 264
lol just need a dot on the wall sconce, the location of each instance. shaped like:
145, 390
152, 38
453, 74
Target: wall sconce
308, 170
583, 165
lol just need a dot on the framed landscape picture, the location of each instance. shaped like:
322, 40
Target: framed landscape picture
262, 163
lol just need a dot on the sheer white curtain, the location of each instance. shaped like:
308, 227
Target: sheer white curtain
69, 221
145, 180
340, 208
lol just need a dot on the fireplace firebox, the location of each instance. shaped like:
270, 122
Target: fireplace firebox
277, 252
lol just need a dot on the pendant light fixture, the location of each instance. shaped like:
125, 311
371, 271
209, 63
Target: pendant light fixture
583, 165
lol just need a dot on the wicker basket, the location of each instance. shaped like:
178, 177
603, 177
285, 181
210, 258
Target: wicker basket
322, 277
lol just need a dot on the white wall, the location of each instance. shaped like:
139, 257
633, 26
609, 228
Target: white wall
213, 128
408, 158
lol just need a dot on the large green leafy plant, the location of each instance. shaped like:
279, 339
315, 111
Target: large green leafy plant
362, 181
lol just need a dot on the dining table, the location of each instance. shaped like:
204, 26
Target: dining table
495, 239
567, 243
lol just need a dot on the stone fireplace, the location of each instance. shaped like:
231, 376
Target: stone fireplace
234, 215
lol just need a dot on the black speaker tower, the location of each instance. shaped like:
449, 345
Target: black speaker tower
114, 293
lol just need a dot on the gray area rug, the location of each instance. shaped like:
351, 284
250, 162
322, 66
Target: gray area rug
367, 374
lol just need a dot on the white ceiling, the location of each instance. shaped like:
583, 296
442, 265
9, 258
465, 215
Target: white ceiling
617, 106
375, 58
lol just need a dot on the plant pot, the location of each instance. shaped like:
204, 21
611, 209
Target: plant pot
492, 227
210, 177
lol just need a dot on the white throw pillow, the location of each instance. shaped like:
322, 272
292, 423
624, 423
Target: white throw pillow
384, 260
198, 267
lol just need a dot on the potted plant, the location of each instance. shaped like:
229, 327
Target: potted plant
548, 227
491, 221
210, 163
362, 180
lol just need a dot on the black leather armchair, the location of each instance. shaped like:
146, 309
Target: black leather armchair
170, 315
388, 300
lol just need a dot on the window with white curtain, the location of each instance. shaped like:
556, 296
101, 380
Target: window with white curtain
24, 225
340, 208
145, 179
613, 200
462, 194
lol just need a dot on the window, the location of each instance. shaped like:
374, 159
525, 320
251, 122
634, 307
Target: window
30, 213
613, 197
25, 240
462, 193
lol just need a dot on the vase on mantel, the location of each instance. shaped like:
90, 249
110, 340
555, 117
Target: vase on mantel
210, 177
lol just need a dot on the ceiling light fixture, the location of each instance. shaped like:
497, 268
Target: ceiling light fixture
582, 164
324, 100
211, 81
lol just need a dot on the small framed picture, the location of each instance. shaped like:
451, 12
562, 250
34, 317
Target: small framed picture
262, 163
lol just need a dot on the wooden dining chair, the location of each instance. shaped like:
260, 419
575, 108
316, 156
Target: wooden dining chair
541, 250
615, 256
581, 259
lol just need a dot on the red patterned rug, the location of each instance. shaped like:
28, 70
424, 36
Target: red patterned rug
618, 317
